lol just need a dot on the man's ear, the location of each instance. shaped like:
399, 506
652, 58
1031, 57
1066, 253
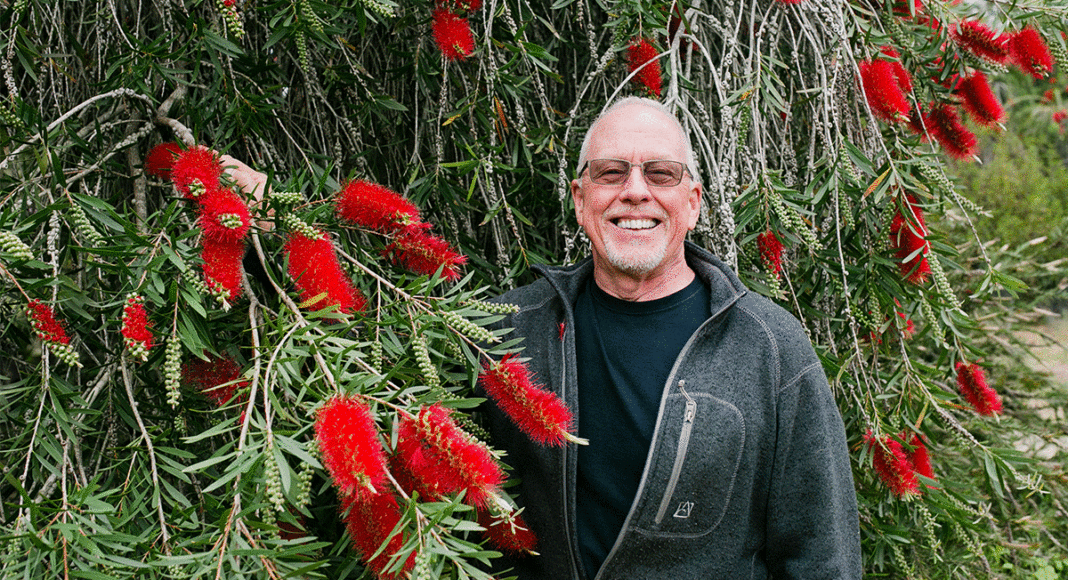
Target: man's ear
577, 198
695, 205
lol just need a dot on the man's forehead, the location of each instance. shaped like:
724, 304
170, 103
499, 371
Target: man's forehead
656, 128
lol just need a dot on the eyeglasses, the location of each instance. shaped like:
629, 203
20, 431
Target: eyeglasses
657, 172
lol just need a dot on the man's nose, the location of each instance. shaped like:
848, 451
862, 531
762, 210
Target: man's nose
635, 189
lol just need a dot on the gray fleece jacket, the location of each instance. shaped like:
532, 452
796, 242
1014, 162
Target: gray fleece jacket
748, 473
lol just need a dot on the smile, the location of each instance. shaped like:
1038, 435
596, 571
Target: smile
636, 224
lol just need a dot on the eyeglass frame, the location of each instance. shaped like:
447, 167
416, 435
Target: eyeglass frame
685, 170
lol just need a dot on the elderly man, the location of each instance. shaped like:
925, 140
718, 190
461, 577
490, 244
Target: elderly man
715, 447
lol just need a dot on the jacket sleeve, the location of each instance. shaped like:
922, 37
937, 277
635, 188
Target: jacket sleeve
813, 526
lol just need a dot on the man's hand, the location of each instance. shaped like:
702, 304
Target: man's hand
252, 183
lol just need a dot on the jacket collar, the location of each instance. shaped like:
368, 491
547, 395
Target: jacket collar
722, 282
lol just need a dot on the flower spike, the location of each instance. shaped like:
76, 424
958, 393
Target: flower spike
452, 34
892, 464
972, 382
136, 329
51, 331
375, 207
160, 160
314, 266
945, 126
884, 89
770, 252
370, 518
508, 533
537, 412
222, 268
196, 171
446, 459
908, 235
215, 377
348, 438
639, 52
979, 101
978, 39
416, 249
1028, 51
224, 216
919, 457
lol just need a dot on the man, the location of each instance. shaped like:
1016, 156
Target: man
715, 447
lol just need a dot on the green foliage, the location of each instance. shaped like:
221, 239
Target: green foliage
117, 469
1022, 185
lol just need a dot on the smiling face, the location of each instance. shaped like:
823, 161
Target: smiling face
636, 230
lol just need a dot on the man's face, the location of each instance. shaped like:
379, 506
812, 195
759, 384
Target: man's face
636, 229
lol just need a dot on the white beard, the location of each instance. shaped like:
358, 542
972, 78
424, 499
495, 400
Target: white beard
639, 261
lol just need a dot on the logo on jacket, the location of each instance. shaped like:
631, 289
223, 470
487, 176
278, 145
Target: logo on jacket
684, 509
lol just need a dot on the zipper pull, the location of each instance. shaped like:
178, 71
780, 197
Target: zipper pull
691, 404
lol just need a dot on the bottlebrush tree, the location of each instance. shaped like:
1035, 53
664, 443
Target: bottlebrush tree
206, 380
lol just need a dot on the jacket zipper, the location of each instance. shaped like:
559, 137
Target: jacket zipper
569, 525
680, 453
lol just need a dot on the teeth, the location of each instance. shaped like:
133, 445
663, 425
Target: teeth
636, 224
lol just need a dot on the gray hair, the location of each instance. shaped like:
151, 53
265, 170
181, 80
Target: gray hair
691, 162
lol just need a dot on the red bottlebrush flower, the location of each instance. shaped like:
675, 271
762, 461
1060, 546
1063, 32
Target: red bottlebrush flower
418, 250
136, 329
904, 80
375, 207
44, 322
348, 438
224, 215
51, 332
642, 52
979, 101
892, 465
509, 534
216, 377
1047, 97
314, 267
919, 457
161, 158
770, 252
446, 460
972, 382
978, 39
1059, 116
1028, 51
945, 126
542, 415
370, 518
222, 266
452, 33
884, 91
909, 237
196, 171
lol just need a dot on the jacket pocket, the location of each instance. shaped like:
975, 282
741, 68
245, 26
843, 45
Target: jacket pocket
693, 471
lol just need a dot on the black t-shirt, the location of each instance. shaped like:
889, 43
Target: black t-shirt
625, 352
